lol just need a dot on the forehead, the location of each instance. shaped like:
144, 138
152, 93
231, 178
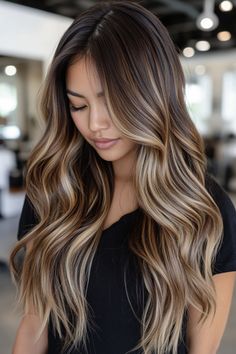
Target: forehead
82, 74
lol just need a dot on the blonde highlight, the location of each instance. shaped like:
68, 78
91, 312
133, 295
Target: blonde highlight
71, 187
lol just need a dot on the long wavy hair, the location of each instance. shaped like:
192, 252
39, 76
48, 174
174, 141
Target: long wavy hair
71, 187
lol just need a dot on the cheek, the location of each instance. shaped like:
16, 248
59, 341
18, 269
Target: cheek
78, 123
129, 145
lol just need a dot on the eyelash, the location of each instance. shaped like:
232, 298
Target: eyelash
75, 109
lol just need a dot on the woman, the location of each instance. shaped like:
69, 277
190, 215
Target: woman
130, 246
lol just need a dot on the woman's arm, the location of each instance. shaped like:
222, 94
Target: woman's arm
25, 342
205, 339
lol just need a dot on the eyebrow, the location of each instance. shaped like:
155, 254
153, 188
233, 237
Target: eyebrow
76, 94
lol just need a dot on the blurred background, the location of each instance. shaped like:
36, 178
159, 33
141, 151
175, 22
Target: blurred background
204, 32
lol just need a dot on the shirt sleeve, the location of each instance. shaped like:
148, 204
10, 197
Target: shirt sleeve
226, 255
28, 218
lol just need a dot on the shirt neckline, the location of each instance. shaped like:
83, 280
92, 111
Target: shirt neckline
121, 219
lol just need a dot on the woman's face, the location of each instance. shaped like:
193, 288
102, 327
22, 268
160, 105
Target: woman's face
90, 114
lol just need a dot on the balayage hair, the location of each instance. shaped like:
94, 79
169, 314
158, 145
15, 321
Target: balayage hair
71, 186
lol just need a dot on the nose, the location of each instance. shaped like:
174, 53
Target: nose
98, 119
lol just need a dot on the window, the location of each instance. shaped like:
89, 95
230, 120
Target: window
198, 95
228, 107
8, 99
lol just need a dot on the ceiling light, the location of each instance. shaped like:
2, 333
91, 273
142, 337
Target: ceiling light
226, 6
207, 20
224, 36
188, 52
206, 23
203, 46
10, 70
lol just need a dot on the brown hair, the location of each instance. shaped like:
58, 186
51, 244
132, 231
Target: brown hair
71, 187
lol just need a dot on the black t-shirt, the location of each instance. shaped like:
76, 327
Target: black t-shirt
117, 325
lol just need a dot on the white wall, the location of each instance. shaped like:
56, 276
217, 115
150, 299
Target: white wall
30, 33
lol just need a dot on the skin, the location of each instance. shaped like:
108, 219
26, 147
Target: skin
205, 339
26, 341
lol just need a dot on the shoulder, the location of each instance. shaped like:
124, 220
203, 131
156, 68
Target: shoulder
28, 218
223, 201
217, 192
226, 255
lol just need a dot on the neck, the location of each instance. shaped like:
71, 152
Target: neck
124, 169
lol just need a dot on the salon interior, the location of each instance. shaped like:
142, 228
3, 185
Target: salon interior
204, 33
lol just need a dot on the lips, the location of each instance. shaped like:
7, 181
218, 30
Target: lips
104, 140
105, 143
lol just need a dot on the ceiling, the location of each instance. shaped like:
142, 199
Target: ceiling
179, 16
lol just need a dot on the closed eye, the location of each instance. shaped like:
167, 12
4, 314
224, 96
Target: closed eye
75, 109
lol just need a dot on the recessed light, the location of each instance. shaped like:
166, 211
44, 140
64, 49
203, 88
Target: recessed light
203, 46
10, 70
188, 52
224, 36
206, 23
207, 20
226, 6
